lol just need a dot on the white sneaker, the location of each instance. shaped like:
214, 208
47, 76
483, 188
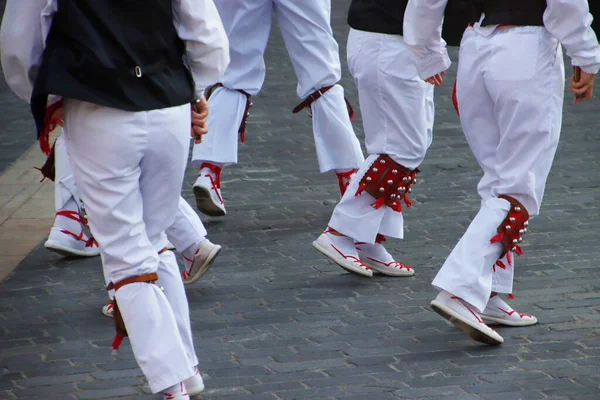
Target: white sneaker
179, 394
195, 384
499, 312
203, 259
207, 190
69, 244
108, 309
465, 318
376, 257
340, 249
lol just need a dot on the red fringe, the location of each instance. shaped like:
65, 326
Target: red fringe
455, 99
243, 136
360, 189
117, 342
497, 238
49, 125
501, 264
379, 203
380, 238
511, 296
407, 201
396, 206
509, 258
350, 110
518, 251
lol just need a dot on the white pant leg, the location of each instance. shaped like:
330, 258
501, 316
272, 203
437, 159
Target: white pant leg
397, 110
510, 104
354, 216
187, 230
468, 270
64, 183
169, 279
220, 144
129, 169
528, 93
315, 58
247, 24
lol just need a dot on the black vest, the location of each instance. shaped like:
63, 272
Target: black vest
387, 16
510, 12
380, 16
123, 54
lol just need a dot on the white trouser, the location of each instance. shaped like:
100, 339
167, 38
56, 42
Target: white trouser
315, 57
64, 183
186, 230
129, 169
510, 89
397, 111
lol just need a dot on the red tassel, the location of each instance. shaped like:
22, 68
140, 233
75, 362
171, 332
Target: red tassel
360, 189
117, 342
380, 238
501, 264
243, 136
49, 125
510, 296
379, 203
508, 258
350, 110
518, 251
497, 238
396, 206
455, 99
407, 201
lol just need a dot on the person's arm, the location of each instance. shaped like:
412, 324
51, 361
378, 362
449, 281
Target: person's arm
207, 48
22, 38
423, 35
570, 22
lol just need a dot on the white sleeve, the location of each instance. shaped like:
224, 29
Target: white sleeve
22, 38
570, 22
207, 48
423, 35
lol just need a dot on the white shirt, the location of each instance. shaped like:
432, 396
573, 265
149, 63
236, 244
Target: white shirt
26, 24
567, 20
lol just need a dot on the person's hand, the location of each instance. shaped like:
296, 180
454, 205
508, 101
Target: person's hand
583, 87
435, 80
199, 115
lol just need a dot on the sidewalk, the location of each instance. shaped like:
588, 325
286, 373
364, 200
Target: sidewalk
274, 320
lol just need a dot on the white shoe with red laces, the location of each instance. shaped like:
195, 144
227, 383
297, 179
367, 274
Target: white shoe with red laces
67, 237
499, 312
177, 392
195, 384
207, 191
108, 309
465, 318
341, 250
198, 265
376, 257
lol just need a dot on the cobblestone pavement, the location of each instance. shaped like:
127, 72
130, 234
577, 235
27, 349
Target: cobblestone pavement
274, 320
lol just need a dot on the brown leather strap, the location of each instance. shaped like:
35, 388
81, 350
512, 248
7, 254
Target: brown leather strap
242, 128
151, 278
162, 250
311, 99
